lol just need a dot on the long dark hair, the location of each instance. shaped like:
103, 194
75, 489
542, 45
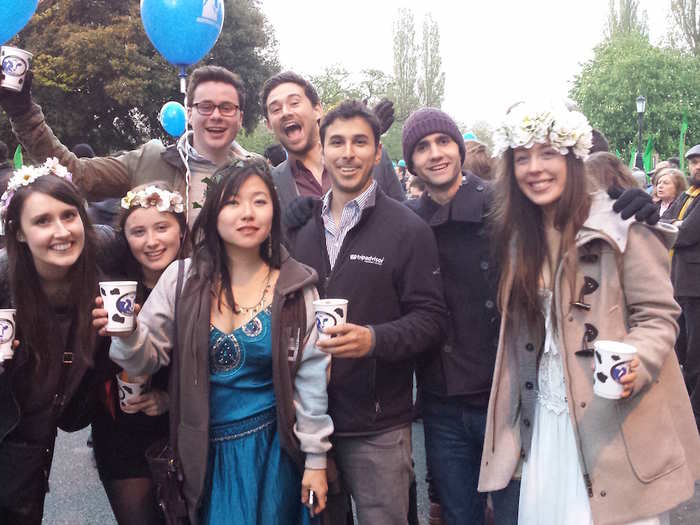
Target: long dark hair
209, 261
519, 233
35, 316
132, 268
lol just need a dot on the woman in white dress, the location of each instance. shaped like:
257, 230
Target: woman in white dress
574, 272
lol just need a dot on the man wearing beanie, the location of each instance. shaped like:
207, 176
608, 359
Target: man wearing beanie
371, 250
454, 381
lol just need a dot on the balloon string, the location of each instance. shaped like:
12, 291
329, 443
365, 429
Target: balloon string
183, 83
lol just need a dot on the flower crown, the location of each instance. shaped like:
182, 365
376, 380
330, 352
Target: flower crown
529, 124
25, 176
152, 196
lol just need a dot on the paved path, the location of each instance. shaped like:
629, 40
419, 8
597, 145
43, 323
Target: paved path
77, 496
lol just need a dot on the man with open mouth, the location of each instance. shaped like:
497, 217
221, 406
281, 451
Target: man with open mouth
215, 102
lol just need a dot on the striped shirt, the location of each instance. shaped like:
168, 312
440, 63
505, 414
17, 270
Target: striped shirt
350, 216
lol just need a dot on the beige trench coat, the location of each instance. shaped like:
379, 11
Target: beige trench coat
639, 456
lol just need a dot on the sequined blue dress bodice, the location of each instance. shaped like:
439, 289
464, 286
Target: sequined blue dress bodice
240, 364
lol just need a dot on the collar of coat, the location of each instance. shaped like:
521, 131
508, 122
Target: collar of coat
603, 220
469, 204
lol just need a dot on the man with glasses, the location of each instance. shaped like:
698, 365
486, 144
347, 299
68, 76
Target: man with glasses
215, 98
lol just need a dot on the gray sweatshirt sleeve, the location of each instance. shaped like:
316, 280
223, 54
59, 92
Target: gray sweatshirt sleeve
313, 425
149, 346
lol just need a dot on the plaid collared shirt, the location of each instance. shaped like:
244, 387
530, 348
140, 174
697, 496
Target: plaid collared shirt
350, 216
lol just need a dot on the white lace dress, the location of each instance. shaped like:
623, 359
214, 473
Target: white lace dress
552, 491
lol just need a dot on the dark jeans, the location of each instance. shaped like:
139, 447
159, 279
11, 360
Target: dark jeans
688, 348
454, 438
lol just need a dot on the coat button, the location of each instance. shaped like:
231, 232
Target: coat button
603, 493
529, 385
480, 188
484, 265
530, 347
489, 304
583, 404
571, 318
526, 422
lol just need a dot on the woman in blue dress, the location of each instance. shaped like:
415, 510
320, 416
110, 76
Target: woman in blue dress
253, 426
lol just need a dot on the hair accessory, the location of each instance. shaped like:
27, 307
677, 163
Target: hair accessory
154, 197
216, 179
529, 124
25, 176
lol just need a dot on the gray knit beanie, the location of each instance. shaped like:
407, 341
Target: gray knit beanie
426, 121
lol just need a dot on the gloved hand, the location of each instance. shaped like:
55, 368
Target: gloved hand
298, 213
16, 103
634, 201
385, 113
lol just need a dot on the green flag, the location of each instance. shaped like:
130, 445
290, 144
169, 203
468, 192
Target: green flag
646, 156
633, 156
18, 158
681, 141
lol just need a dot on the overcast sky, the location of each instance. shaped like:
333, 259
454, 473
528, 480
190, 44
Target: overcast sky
494, 52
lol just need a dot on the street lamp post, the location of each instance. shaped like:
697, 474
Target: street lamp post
641, 107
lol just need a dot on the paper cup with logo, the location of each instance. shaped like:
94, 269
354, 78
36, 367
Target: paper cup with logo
119, 298
15, 64
7, 333
330, 312
129, 388
612, 363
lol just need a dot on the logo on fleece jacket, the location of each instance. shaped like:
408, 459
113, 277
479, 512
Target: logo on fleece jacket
369, 259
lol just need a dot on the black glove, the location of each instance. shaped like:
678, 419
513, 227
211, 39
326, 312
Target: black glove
634, 201
385, 113
298, 212
17, 103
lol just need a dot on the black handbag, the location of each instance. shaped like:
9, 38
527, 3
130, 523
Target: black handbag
161, 456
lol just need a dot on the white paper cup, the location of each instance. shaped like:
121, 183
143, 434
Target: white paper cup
7, 333
129, 388
330, 312
15, 64
119, 299
612, 363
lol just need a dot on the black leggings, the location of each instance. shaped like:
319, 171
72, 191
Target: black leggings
133, 501
28, 514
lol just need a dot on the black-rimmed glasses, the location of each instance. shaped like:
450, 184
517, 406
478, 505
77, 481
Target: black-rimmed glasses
226, 109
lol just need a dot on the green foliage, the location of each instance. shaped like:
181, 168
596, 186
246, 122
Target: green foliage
257, 140
431, 82
625, 19
686, 16
403, 90
99, 79
629, 66
333, 86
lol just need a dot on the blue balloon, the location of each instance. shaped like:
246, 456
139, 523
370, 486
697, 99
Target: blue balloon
183, 31
14, 15
172, 118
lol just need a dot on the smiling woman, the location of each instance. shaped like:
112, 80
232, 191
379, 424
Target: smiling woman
152, 224
575, 273
49, 277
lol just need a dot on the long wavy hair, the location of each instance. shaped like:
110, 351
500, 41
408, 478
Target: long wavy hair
519, 234
35, 316
209, 261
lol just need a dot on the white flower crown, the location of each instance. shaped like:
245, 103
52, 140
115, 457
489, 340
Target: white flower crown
25, 176
152, 196
529, 124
